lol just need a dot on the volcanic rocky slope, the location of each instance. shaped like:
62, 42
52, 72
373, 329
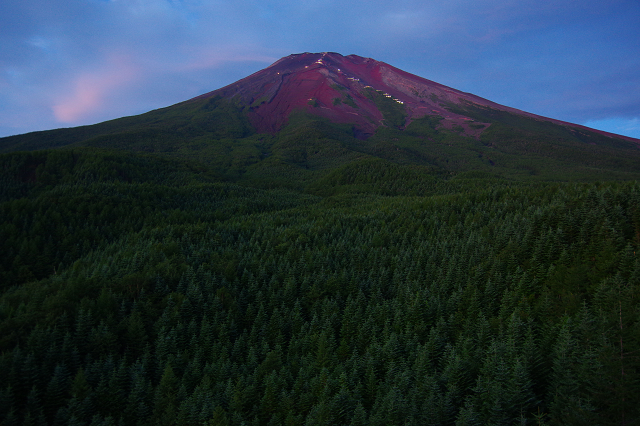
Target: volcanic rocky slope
363, 92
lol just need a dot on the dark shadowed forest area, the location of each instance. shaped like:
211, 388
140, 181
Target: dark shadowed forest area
311, 278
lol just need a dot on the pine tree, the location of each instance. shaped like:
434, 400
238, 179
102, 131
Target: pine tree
57, 391
165, 400
567, 403
219, 418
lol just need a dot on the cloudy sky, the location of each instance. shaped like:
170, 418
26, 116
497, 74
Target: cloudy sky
66, 63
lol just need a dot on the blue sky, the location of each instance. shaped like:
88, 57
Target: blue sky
66, 63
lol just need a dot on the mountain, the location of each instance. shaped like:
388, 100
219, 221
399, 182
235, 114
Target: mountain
309, 114
352, 89
301, 249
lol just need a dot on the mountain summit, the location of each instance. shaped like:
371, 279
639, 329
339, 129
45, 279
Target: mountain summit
343, 89
360, 91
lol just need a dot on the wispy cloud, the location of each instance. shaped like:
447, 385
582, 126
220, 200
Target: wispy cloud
90, 89
209, 57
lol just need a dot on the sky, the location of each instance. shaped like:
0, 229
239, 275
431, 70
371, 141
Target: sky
65, 63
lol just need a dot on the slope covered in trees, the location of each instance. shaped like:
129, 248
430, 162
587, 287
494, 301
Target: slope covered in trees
326, 281
216, 132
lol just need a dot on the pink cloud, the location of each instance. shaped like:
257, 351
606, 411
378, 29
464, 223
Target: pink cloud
90, 90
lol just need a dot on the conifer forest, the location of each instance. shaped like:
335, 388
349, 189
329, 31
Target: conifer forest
262, 281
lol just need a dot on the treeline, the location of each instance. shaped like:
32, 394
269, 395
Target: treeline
495, 303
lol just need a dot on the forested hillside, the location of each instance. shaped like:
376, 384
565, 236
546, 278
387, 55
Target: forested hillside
364, 289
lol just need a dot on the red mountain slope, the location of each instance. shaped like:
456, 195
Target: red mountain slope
339, 88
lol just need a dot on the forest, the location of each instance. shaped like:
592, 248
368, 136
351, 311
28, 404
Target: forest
310, 278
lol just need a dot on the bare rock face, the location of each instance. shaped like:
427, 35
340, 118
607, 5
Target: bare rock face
361, 91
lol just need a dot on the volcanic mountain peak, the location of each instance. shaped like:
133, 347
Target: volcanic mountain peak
344, 89
347, 89
360, 91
